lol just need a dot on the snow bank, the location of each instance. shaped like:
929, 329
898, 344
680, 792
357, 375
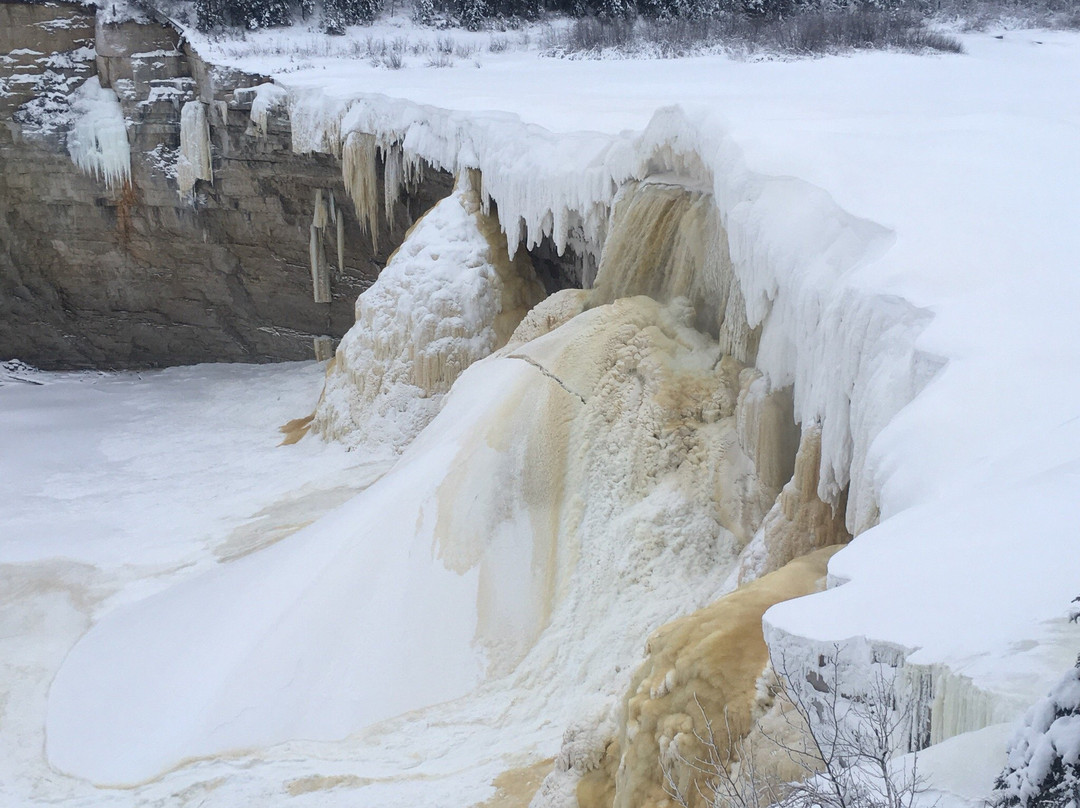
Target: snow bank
448, 297
97, 140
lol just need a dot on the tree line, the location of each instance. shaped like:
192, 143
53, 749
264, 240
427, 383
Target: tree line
336, 15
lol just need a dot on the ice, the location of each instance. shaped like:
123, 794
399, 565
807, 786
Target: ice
448, 297
97, 140
193, 162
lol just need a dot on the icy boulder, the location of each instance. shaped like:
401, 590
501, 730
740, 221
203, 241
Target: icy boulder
449, 296
1043, 769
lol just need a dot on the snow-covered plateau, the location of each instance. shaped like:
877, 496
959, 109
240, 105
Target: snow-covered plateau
824, 298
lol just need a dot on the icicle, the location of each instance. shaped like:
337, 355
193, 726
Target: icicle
324, 348
194, 161
393, 174
341, 243
359, 171
322, 214
333, 208
98, 142
320, 276
267, 98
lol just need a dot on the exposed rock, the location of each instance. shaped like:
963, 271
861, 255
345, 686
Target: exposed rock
136, 274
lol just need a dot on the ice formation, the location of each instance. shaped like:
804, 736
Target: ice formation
799, 522
97, 140
527, 583
768, 267
265, 98
705, 665
448, 297
359, 169
326, 214
637, 456
193, 162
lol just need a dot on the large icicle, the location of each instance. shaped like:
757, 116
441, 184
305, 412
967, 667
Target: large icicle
393, 180
193, 163
359, 169
97, 141
320, 272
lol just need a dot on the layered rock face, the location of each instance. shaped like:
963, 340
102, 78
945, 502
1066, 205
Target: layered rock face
123, 270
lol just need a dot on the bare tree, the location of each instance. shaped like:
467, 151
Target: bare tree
845, 755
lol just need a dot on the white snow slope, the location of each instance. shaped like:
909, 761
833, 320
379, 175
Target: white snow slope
889, 216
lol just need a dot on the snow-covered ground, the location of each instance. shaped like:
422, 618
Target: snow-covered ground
892, 217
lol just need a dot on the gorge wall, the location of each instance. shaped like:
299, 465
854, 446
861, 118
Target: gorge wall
125, 271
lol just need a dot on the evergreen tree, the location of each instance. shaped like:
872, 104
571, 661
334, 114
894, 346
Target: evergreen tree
1043, 769
338, 14
472, 13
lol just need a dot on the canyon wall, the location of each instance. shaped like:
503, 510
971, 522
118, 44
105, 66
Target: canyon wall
125, 271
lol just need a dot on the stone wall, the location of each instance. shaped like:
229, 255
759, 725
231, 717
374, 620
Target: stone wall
138, 275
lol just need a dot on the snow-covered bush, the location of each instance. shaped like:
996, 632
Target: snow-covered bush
1043, 768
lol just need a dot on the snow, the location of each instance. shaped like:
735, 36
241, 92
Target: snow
97, 140
901, 229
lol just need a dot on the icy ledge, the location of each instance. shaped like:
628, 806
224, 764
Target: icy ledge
965, 580
849, 352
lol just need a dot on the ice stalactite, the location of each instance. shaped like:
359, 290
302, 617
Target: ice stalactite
339, 237
449, 297
359, 169
944, 704
393, 181
326, 214
323, 348
799, 522
193, 162
265, 99
97, 140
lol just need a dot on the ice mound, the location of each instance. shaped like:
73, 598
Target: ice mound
449, 296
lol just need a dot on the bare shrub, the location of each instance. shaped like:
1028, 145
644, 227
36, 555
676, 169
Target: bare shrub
465, 50
440, 60
498, 43
846, 757
444, 45
808, 32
